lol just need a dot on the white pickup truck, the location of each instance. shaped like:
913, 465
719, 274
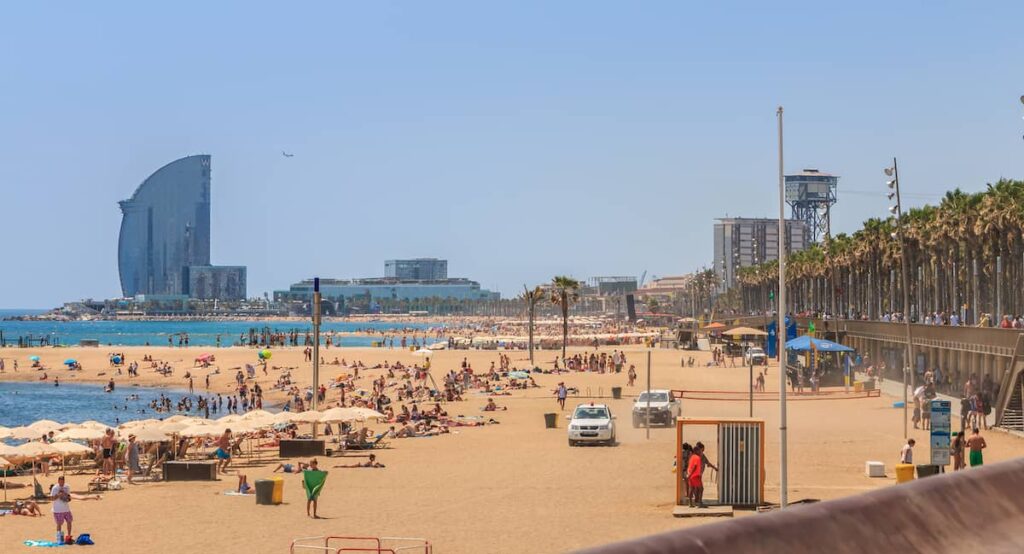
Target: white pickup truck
665, 408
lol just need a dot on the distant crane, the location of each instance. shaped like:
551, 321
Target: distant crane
643, 277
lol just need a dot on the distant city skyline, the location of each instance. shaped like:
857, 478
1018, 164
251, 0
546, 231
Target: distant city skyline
517, 141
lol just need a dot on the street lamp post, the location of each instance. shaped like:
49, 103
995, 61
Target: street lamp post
781, 334
897, 210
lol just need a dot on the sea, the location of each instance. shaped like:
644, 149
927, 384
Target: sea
156, 333
24, 403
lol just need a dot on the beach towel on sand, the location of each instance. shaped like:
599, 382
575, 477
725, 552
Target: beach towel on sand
313, 483
42, 543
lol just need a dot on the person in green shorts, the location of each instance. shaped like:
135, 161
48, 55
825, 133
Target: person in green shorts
313, 482
975, 443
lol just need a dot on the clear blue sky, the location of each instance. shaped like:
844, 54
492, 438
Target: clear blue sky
519, 141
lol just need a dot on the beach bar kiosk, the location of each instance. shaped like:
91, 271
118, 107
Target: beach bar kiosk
739, 456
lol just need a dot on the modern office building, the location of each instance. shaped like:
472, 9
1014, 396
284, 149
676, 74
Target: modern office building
743, 242
216, 282
165, 230
376, 289
429, 269
612, 285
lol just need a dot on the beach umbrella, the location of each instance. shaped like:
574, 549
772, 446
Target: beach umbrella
423, 352
5, 464
203, 430
34, 358
47, 424
257, 415
80, 433
172, 427
70, 448
93, 424
230, 418
746, 331
70, 361
139, 423
338, 415
367, 413
36, 449
24, 433
309, 416
178, 417
147, 434
287, 417
518, 375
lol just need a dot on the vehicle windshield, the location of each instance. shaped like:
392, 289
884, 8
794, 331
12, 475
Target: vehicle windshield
655, 397
756, 351
590, 412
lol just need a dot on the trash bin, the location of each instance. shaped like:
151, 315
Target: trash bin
616, 392
904, 473
550, 421
927, 470
264, 491
858, 386
278, 496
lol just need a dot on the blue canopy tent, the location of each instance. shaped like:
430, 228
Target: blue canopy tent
807, 343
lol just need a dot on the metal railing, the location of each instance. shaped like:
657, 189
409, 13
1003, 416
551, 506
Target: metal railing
336, 544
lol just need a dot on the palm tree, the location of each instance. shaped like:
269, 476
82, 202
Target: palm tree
565, 291
531, 298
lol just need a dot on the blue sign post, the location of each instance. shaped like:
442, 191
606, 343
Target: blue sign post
940, 433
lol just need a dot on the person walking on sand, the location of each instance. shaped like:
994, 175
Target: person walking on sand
632, 376
975, 444
907, 452
562, 393
60, 494
223, 452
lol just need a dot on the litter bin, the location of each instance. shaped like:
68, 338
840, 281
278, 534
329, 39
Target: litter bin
927, 471
550, 421
616, 392
264, 491
278, 496
858, 386
904, 473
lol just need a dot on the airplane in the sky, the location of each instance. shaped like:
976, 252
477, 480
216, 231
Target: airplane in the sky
287, 155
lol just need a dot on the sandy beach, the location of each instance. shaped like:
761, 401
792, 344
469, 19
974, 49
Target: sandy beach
512, 487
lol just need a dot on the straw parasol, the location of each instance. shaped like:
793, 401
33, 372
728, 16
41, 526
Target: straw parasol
338, 415
5, 464
147, 434
309, 416
139, 423
230, 418
367, 413
65, 448
81, 433
93, 424
178, 417
214, 430
172, 427
746, 331
24, 433
36, 449
714, 326
46, 425
257, 414
287, 417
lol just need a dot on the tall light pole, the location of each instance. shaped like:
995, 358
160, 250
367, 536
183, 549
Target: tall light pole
781, 334
316, 347
897, 210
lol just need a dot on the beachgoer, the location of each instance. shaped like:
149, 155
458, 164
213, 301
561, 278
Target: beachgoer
694, 476
372, 463
290, 468
562, 393
60, 494
907, 452
975, 444
107, 444
223, 452
957, 452
243, 485
313, 481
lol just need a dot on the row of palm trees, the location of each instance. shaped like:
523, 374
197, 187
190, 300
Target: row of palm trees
965, 255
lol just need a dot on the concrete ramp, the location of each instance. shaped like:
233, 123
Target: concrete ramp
977, 510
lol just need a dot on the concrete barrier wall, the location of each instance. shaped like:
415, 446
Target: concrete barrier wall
977, 510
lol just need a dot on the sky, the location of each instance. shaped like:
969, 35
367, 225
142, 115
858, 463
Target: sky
519, 140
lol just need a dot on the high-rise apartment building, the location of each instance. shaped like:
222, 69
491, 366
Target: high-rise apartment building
743, 242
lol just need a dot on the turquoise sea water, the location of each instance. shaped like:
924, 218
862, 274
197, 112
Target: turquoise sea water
156, 333
24, 403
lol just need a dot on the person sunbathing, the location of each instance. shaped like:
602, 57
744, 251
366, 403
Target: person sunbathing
26, 508
406, 431
372, 463
289, 468
492, 407
243, 485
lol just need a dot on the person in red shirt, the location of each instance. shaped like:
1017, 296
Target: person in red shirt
694, 476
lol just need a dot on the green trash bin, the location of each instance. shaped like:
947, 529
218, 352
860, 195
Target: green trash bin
265, 492
616, 393
550, 421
